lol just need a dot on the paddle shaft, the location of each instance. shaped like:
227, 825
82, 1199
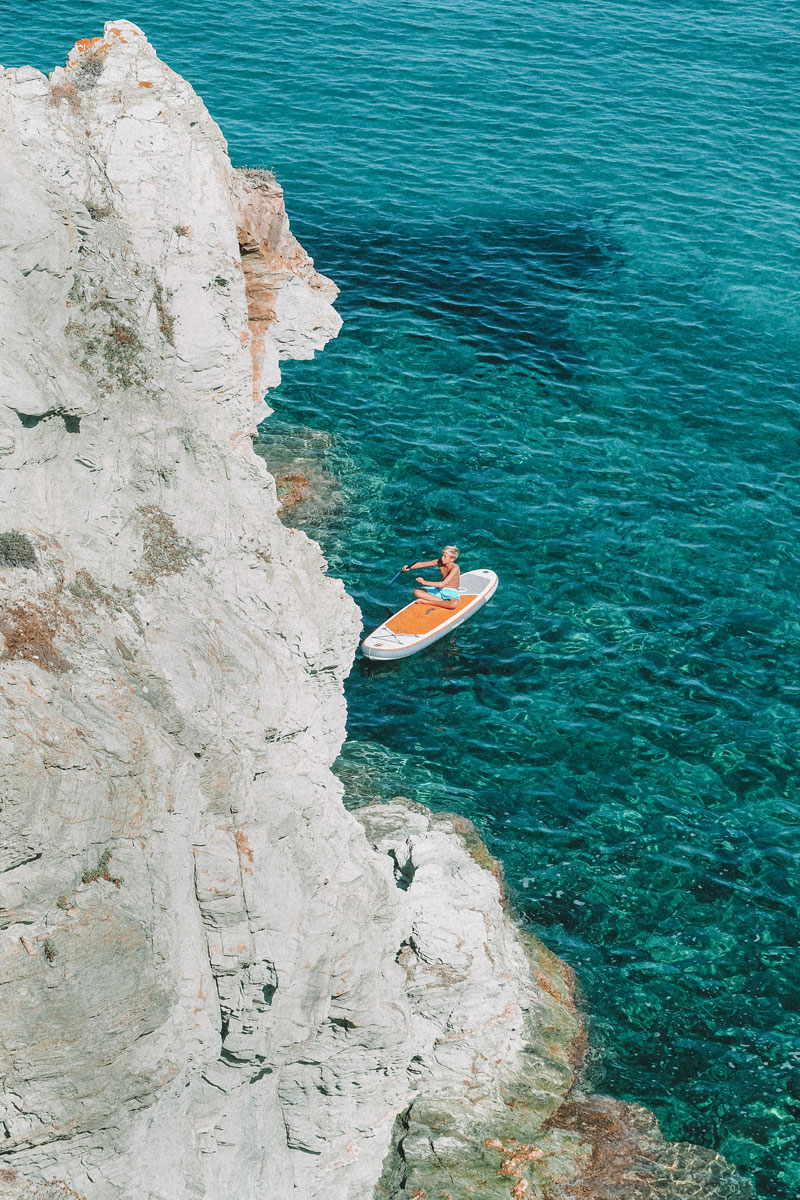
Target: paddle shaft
399, 573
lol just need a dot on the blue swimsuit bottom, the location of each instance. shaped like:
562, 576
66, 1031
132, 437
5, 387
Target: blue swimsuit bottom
442, 593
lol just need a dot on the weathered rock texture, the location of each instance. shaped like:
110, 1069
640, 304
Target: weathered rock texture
214, 981
288, 302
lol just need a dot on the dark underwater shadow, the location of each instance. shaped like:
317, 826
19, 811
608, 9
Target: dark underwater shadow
507, 286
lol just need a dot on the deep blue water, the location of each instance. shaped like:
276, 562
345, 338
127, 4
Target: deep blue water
567, 239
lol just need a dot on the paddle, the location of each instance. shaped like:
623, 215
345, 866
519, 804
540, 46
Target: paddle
397, 576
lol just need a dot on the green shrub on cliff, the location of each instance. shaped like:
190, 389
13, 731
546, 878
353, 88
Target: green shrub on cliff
16, 550
101, 871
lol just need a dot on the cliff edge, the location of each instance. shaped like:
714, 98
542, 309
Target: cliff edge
215, 982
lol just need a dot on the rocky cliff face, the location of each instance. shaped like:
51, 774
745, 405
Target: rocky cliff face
214, 981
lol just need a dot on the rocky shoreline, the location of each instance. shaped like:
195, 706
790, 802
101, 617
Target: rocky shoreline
216, 981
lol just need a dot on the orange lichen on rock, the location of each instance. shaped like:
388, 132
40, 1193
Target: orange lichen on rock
86, 50
29, 633
145, 83
84, 44
54, 1189
546, 986
517, 1157
244, 848
95, 47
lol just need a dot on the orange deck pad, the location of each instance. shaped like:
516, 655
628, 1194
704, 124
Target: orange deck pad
420, 618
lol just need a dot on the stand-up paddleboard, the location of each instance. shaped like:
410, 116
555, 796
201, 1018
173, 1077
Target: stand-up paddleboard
419, 624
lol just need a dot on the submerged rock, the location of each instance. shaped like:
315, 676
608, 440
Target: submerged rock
216, 982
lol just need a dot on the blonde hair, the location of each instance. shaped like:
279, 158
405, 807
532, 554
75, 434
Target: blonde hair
453, 550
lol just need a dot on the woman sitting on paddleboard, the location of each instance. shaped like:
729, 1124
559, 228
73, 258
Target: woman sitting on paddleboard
443, 594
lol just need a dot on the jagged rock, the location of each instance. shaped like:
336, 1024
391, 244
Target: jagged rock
494, 1107
171, 686
288, 301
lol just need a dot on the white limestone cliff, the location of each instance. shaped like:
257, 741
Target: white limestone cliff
214, 981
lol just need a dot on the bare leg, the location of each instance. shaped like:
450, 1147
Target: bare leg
434, 600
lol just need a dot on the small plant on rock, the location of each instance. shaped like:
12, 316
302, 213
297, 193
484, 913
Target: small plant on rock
101, 871
98, 212
65, 91
52, 1189
121, 353
165, 552
86, 589
88, 70
123, 335
259, 175
16, 550
166, 321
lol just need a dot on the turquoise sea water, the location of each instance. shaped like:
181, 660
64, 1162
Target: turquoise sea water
567, 239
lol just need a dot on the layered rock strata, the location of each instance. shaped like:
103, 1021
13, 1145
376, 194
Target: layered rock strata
214, 981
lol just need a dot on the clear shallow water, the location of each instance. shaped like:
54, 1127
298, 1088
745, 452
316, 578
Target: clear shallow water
566, 236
